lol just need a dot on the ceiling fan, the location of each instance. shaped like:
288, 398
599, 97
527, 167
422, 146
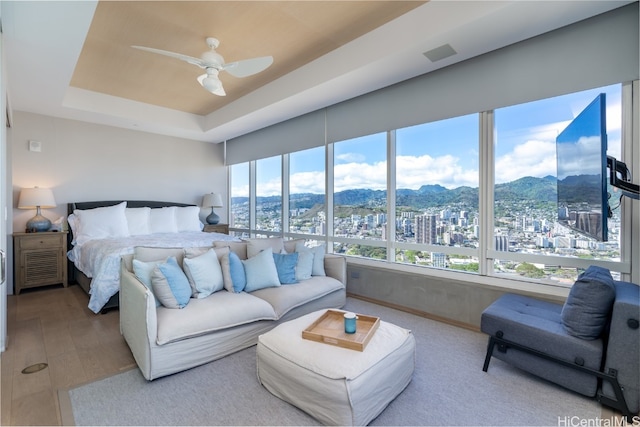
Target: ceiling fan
213, 63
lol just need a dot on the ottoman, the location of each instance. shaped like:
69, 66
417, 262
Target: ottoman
335, 385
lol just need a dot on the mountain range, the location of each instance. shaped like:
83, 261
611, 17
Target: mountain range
427, 196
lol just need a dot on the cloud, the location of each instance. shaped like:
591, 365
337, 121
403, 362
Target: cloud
240, 191
360, 175
415, 171
532, 158
307, 182
351, 157
269, 188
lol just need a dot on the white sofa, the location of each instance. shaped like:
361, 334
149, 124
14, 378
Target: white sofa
165, 341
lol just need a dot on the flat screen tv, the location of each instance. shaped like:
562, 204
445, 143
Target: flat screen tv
581, 150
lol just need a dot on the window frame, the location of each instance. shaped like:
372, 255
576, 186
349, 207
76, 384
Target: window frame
485, 253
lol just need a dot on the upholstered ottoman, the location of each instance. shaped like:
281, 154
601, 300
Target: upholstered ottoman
336, 386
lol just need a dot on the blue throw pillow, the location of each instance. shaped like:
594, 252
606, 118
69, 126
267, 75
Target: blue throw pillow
586, 312
170, 284
286, 266
236, 269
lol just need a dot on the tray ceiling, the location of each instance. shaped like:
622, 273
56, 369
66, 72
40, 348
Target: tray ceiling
293, 32
73, 60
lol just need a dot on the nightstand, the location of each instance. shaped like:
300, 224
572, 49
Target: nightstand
40, 259
217, 228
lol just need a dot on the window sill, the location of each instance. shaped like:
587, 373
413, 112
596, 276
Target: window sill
541, 290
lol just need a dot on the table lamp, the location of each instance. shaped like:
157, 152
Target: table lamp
212, 200
36, 198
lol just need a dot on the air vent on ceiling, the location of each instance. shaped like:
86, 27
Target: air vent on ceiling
439, 53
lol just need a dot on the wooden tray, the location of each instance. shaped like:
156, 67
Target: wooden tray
329, 329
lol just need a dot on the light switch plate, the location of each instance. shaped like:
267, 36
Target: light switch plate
35, 146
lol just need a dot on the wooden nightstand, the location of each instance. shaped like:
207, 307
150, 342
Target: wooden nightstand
217, 228
40, 259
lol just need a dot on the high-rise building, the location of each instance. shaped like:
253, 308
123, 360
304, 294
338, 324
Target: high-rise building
425, 229
501, 243
438, 260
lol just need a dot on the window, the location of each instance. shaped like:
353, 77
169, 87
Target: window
436, 193
360, 193
239, 190
526, 210
307, 192
269, 194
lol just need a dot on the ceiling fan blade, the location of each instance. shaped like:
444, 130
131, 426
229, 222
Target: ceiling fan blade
218, 90
186, 58
248, 67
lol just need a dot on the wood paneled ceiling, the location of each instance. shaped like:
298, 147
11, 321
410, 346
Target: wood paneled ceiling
293, 32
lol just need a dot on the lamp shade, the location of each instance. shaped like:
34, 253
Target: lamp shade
212, 200
31, 198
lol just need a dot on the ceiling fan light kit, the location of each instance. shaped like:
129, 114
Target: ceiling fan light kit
213, 63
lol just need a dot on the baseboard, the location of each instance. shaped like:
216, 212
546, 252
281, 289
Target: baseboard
416, 312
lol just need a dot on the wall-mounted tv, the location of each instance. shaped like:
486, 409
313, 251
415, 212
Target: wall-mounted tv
581, 150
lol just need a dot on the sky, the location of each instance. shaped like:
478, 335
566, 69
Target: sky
443, 152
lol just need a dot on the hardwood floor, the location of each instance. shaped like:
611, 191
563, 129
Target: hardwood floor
54, 326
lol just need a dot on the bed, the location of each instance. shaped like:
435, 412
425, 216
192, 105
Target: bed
101, 232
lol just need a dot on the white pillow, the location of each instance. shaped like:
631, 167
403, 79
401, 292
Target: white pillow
143, 271
304, 265
138, 221
188, 218
261, 271
101, 223
163, 220
204, 273
75, 228
318, 252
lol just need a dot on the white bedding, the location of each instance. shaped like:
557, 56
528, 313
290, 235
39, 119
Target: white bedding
99, 259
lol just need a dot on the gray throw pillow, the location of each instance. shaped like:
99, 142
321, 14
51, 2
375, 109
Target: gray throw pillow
586, 312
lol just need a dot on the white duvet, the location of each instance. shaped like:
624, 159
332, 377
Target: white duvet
99, 259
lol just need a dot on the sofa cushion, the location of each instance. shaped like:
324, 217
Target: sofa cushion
170, 284
286, 267
285, 298
239, 248
146, 254
537, 324
218, 311
204, 273
290, 245
586, 312
255, 246
260, 271
195, 251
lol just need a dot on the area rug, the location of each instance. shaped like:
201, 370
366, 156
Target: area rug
448, 388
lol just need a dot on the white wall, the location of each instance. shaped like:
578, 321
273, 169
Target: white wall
84, 162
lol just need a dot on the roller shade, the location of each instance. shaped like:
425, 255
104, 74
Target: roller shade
296, 134
596, 52
599, 51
